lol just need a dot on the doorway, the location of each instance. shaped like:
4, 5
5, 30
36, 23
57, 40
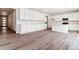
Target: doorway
7, 21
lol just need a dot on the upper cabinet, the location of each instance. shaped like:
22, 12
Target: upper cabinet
24, 13
29, 14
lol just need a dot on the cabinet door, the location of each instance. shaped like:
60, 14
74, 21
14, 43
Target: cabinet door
34, 15
31, 14
22, 13
27, 14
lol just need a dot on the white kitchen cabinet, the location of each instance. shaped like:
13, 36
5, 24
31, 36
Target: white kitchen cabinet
63, 28
29, 14
22, 13
31, 28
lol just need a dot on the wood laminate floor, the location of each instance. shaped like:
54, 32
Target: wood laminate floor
40, 40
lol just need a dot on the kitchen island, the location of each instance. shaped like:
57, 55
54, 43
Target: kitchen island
60, 28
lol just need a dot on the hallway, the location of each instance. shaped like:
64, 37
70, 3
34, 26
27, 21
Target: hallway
7, 21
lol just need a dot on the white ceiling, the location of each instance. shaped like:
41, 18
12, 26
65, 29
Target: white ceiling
6, 11
54, 11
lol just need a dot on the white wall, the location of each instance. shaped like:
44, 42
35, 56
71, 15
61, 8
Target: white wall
73, 20
12, 21
29, 20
